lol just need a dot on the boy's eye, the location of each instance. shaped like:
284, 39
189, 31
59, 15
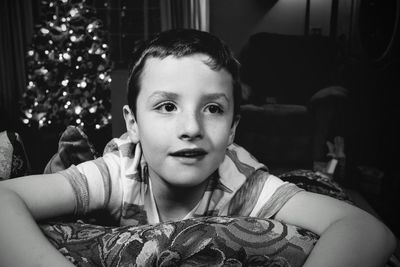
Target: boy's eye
166, 107
214, 109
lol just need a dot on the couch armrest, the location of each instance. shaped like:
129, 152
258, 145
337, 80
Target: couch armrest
277, 135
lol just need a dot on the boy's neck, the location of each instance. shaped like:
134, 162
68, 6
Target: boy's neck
174, 203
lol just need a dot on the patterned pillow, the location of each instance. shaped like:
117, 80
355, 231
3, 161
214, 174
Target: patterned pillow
13, 159
204, 241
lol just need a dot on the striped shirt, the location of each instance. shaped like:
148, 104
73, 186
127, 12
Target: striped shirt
119, 182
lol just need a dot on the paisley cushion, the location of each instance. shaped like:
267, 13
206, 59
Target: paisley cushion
203, 241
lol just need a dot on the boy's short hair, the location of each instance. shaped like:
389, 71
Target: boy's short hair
180, 43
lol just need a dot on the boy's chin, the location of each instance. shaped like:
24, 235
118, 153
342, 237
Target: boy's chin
187, 183
184, 178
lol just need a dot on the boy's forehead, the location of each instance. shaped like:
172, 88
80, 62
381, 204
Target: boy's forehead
162, 68
151, 60
186, 77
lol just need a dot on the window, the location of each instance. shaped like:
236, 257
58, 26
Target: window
126, 23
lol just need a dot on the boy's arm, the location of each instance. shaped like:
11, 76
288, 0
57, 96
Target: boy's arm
22, 201
348, 236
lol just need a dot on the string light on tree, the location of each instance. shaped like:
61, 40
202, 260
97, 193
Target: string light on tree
68, 69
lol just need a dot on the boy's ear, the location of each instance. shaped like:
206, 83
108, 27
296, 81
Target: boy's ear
235, 123
131, 124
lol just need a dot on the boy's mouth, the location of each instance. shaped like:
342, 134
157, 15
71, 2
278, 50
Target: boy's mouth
189, 153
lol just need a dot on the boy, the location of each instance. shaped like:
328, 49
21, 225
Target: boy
177, 161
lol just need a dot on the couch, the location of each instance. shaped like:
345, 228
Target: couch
289, 69
289, 137
294, 99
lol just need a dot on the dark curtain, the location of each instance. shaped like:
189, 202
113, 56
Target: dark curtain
16, 26
192, 14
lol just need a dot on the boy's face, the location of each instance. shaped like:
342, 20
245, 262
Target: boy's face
184, 119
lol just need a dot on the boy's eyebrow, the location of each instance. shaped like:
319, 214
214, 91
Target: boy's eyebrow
163, 94
216, 96
171, 95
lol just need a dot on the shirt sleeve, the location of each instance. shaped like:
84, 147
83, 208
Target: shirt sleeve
95, 184
274, 195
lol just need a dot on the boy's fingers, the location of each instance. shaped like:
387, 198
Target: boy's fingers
331, 147
339, 140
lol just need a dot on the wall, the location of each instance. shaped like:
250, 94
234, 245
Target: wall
320, 15
286, 17
235, 20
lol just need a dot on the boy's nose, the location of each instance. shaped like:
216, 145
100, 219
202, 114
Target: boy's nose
191, 127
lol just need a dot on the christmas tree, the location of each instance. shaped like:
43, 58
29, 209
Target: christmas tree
68, 69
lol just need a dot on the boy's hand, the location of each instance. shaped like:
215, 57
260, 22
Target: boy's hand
336, 150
